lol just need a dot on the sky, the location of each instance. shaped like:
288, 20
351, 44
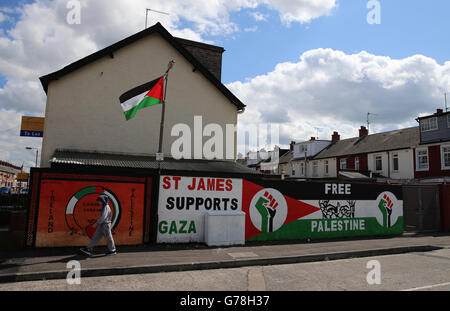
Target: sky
310, 66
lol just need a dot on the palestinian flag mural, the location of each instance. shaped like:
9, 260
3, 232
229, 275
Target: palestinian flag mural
146, 95
298, 210
268, 210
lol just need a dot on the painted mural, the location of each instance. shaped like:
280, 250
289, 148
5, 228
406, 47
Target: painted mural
301, 210
68, 205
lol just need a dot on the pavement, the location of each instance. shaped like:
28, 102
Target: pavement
46, 264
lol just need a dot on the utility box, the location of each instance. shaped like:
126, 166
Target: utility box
225, 228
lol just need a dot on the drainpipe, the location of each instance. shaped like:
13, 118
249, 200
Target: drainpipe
306, 166
389, 165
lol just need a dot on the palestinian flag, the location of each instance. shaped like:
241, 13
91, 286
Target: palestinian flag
148, 94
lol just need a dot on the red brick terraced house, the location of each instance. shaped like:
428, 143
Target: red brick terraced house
8, 173
432, 156
387, 155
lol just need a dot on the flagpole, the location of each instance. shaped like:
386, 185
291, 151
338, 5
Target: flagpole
163, 111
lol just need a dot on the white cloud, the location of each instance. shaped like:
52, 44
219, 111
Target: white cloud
302, 11
251, 29
333, 91
258, 16
326, 88
42, 41
12, 145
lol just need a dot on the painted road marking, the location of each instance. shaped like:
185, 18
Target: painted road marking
255, 279
425, 287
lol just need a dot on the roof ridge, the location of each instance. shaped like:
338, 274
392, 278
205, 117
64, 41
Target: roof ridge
109, 50
372, 143
7, 164
380, 133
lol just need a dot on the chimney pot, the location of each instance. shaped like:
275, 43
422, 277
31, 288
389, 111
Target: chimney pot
335, 137
292, 145
363, 131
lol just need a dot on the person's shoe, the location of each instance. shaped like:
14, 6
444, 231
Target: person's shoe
111, 253
86, 251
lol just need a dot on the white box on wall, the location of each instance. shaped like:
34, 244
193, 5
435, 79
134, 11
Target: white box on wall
225, 228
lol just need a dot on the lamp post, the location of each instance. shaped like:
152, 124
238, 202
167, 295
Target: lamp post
37, 153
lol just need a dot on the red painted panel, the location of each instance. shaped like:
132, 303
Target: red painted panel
444, 191
363, 162
68, 205
434, 160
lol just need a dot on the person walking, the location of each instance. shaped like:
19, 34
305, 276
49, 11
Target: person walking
103, 229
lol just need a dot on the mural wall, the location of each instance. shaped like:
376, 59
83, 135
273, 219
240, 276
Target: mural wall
184, 202
277, 210
299, 210
63, 205
68, 205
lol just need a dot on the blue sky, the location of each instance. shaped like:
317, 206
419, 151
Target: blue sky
407, 28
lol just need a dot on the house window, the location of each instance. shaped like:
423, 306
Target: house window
315, 168
448, 120
422, 159
395, 162
343, 164
445, 156
429, 124
303, 148
292, 169
378, 163
357, 164
326, 167
302, 169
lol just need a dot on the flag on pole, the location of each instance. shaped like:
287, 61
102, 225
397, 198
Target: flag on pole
146, 95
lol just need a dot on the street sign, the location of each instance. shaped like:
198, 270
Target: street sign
22, 176
32, 127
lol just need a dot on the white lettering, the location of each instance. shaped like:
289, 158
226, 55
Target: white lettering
74, 275
313, 225
198, 137
348, 189
181, 148
374, 15
373, 276
74, 15
333, 225
338, 188
215, 142
320, 227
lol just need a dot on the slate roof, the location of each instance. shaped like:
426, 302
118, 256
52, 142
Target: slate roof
287, 157
281, 153
74, 158
386, 141
157, 28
